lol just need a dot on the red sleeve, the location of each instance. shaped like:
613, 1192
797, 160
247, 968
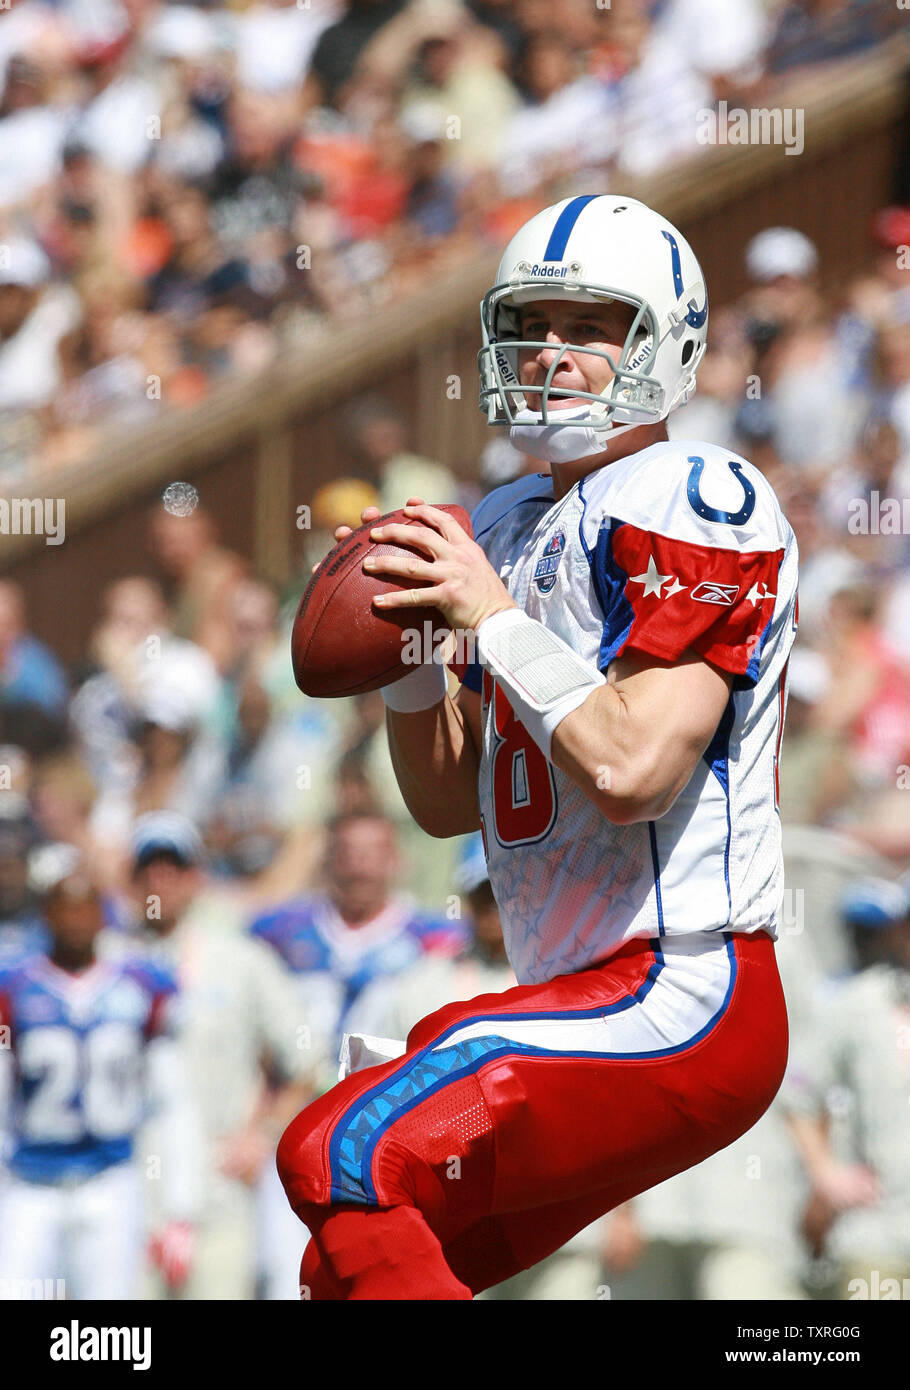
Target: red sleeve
680, 595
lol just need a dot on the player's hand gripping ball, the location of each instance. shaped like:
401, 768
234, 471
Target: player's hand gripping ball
414, 570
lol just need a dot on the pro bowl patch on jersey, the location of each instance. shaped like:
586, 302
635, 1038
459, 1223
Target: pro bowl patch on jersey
549, 562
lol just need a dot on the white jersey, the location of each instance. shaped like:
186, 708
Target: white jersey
680, 546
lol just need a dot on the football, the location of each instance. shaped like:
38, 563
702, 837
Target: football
341, 644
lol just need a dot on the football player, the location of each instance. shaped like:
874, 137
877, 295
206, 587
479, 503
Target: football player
617, 740
91, 1047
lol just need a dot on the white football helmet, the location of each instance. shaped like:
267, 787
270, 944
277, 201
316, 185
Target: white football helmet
595, 248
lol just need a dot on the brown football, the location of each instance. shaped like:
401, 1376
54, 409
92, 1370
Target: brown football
341, 644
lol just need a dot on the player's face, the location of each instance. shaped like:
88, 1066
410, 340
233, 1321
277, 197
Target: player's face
555, 322
73, 913
362, 864
167, 886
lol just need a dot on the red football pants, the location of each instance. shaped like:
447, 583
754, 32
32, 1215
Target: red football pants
516, 1119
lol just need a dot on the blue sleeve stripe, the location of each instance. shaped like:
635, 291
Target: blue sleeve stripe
609, 581
750, 676
655, 863
473, 677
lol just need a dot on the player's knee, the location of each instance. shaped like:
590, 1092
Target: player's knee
301, 1161
311, 1179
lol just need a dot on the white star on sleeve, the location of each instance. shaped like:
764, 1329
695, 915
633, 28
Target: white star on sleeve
651, 579
755, 594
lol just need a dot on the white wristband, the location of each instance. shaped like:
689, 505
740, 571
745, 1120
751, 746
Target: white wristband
420, 689
541, 675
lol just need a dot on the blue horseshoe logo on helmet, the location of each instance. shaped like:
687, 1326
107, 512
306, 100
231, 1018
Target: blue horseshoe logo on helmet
695, 317
700, 506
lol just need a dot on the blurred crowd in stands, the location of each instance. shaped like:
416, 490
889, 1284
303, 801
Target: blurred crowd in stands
216, 876
187, 190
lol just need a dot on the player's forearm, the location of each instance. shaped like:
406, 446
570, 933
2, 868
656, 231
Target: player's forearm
629, 741
436, 766
602, 747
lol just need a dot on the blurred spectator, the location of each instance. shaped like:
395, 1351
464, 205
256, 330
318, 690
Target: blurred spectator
431, 204
251, 631
869, 908
269, 776
457, 71
502, 463
365, 779
340, 45
359, 928
391, 1005
889, 293
93, 1048
240, 1047
341, 503
866, 708
566, 116
32, 129
276, 39
654, 92
847, 1093
138, 716
810, 749
30, 674
378, 438
134, 632
724, 40
805, 375
22, 929
894, 362
819, 31
121, 108
35, 319
203, 576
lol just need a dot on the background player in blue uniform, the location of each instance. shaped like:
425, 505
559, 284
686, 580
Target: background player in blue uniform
90, 1043
359, 929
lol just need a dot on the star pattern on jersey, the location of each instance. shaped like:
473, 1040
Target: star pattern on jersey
654, 581
755, 595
